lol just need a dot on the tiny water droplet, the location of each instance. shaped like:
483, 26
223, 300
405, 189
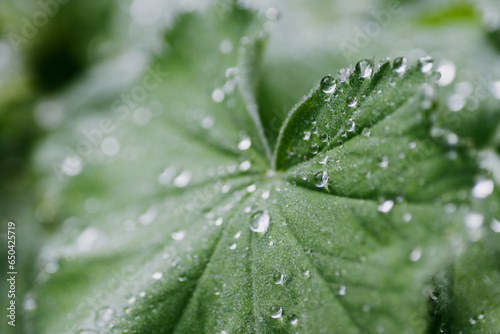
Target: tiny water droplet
219, 221
182, 179
237, 235
265, 195
365, 68
307, 135
474, 220
251, 188
182, 279
407, 217
415, 254
384, 162
245, 165
179, 235
233, 246
218, 95
426, 64
352, 102
323, 137
293, 320
276, 312
314, 148
244, 144
103, 316
306, 273
386, 206
399, 65
328, 84
341, 290
324, 161
366, 132
350, 125
321, 179
259, 222
157, 275
279, 279
482, 189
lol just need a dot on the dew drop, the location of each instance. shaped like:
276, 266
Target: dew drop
495, 226
482, 189
251, 188
103, 316
245, 165
293, 320
407, 217
321, 179
399, 65
328, 84
365, 68
324, 161
426, 64
386, 206
323, 137
179, 235
352, 102
218, 95
233, 246
412, 145
314, 148
157, 275
244, 144
259, 222
351, 125
218, 221
474, 220
279, 279
276, 312
341, 290
415, 254
307, 135
366, 132
237, 235
384, 162
182, 179
265, 195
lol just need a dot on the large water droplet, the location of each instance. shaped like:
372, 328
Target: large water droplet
426, 64
328, 84
365, 68
103, 316
399, 64
321, 179
259, 222
482, 189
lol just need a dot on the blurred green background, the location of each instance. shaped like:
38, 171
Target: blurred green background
64, 63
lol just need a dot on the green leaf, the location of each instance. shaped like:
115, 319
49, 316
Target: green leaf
200, 235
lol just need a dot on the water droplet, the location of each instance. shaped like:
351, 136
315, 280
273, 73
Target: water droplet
472, 321
226, 46
495, 226
251, 188
366, 132
415, 254
179, 235
480, 316
407, 217
306, 273
110, 146
386, 206
426, 64
182, 179
244, 144
103, 316
237, 235
321, 179
384, 162
352, 102
328, 84
276, 312
482, 189
314, 148
474, 220
324, 161
351, 125
265, 195
452, 139
307, 135
341, 290
233, 246
245, 165
447, 70
86, 331
399, 65
148, 217
182, 279
259, 222
131, 300
365, 68
157, 275
218, 95
218, 221
343, 74
279, 279
323, 137
293, 320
